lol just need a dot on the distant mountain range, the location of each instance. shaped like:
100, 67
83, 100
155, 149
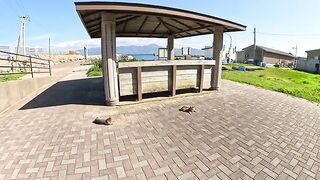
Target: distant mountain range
147, 49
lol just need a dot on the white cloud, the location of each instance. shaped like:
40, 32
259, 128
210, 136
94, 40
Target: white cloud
91, 43
241, 40
140, 41
39, 37
198, 42
77, 44
195, 42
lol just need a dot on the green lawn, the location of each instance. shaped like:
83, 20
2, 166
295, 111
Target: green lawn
295, 83
12, 77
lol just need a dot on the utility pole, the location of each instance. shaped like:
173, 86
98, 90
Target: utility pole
49, 48
295, 55
85, 52
229, 51
254, 43
22, 34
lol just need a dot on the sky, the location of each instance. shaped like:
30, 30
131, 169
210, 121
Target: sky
280, 24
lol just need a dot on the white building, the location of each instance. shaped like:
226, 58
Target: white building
6, 49
208, 53
311, 63
162, 53
186, 51
31, 51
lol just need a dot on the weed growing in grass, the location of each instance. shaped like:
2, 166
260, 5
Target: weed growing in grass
292, 82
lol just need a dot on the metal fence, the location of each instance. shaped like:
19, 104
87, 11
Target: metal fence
13, 63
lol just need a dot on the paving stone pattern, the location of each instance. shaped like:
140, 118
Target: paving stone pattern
240, 132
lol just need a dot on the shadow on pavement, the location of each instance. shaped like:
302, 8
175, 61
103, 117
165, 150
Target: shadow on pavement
81, 91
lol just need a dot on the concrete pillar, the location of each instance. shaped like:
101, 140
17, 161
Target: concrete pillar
170, 47
108, 48
217, 47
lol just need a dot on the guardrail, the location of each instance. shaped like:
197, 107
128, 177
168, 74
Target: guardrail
23, 64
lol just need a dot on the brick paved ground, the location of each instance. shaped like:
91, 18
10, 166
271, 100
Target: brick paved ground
239, 132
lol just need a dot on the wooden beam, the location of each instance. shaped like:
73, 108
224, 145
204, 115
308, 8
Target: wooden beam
165, 25
93, 28
126, 23
202, 25
96, 30
194, 29
90, 15
139, 83
154, 30
93, 21
123, 17
212, 30
144, 35
126, 20
143, 22
174, 80
179, 29
134, 32
96, 34
201, 78
124, 26
183, 24
173, 26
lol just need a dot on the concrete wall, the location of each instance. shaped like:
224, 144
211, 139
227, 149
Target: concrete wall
311, 63
240, 56
13, 91
272, 58
266, 57
157, 77
308, 65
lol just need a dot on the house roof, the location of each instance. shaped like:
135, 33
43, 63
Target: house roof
312, 50
209, 47
270, 50
144, 20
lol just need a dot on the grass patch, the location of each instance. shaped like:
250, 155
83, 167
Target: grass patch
10, 77
96, 69
292, 82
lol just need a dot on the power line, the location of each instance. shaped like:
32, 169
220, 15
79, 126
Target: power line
243, 40
280, 34
20, 6
14, 8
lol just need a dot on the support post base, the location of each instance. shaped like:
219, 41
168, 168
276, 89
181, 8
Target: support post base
215, 88
112, 103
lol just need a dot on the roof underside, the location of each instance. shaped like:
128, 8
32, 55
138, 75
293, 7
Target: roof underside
141, 20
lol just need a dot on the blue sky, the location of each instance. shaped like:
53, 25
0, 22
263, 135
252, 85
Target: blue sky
280, 24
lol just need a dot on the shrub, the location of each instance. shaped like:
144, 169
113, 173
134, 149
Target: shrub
96, 69
126, 58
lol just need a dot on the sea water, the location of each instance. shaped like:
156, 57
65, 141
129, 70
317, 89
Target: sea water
144, 57
150, 57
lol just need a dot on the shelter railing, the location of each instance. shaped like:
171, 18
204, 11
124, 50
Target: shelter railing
143, 77
13, 63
